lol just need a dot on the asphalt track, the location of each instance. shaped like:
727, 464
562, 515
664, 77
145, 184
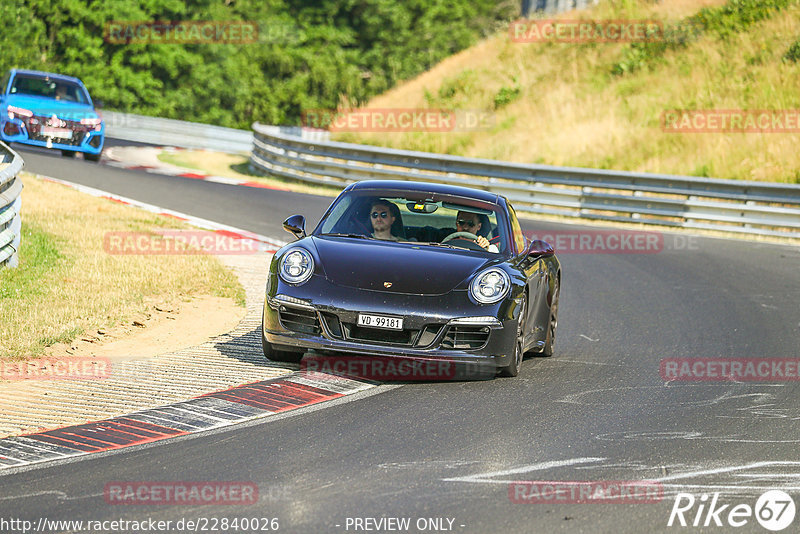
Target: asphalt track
596, 411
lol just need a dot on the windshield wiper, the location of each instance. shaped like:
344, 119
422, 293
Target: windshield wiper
443, 245
356, 236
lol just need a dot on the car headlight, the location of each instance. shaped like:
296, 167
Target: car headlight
490, 286
94, 122
14, 111
296, 266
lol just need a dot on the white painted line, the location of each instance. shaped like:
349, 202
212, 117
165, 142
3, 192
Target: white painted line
224, 180
485, 477
729, 487
200, 415
719, 470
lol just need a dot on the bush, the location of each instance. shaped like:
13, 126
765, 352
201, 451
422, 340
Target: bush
793, 54
506, 95
732, 18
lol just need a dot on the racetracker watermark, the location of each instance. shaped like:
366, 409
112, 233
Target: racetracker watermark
180, 493
396, 368
179, 242
730, 369
613, 241
585, 492
77, 368
398, 120
586, 31
181, 32
731, 121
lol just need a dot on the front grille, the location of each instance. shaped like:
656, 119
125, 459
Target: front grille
299, 320
465, 337
375, 335
34, 126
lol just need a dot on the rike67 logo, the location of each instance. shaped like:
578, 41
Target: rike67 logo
774, 510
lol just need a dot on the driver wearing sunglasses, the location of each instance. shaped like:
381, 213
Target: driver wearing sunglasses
469, 222
380, 215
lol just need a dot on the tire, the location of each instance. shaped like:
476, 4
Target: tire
280, 355
92, 157
552, 324
68, 153
512, 369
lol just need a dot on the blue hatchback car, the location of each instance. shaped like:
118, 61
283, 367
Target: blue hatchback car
52, 111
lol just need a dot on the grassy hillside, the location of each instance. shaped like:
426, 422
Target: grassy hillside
600, 104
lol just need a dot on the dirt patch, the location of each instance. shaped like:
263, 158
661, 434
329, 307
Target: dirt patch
164, 327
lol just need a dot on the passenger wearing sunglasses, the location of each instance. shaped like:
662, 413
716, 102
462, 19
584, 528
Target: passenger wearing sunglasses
382, 219
470, 222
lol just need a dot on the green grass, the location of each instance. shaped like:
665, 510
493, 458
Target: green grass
40, 256
67, 284
600, 105
178, 160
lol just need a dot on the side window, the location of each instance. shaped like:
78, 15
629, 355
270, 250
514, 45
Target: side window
516, 231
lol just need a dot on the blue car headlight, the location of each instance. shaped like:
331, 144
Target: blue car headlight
93, 122
296, 266
490, 286
14, 111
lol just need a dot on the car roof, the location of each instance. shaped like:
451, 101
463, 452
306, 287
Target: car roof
427, 187
51, 75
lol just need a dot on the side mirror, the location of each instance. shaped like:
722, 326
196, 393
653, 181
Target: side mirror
296, 225
98, 103
539, 249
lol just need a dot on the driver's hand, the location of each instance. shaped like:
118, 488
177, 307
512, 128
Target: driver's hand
482, 241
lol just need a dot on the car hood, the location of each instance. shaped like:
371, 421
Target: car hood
47, 106
409, 268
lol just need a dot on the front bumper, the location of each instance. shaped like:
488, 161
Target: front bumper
83, 138
322, 317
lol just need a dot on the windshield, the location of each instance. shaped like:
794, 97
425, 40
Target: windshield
450, 222
45, 87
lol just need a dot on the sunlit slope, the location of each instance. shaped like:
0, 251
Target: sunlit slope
600, 105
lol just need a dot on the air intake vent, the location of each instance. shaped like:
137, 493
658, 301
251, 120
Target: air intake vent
298, 320
333, 324
465, 337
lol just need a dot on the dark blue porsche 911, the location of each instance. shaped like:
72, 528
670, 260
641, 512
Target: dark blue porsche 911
403, 269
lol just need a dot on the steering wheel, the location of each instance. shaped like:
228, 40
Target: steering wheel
469, 240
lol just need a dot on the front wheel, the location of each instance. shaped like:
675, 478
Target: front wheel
91, 157
68, 153
512, 369
552, 325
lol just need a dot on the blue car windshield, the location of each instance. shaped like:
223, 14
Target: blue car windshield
411, 219
49, 88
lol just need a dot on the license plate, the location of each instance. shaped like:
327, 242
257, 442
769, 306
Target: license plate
61, 133
380, 321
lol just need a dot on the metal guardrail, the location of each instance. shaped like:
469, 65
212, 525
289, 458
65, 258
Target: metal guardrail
550, 7
689, 202
170, 132
10, 203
